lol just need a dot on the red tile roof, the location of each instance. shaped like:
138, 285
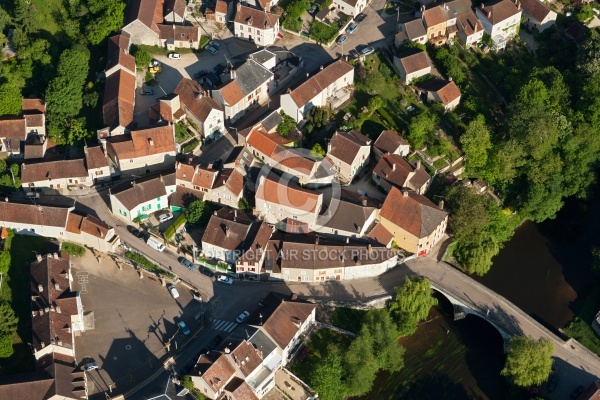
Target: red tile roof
271, 190
122, 58
195, 99
415, 62
446, 90
221, 7
12, 128
95, 157
434, 16
33, 106
496, 11
34, 215
282, 325
307, 91
148, 12
53, 170
176, 6
345, 145
120, 41
536, 9
412, 212
389, 141
218, 373
469, 23
246, 357
143, 143
119, 98
256, 18
382, 235
235, 182
231, 93
227, 229
34, 120
180, 33
397, 171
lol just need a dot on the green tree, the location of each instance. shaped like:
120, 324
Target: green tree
421, 127
475, 254
107, 19
528, 361
8, 320
374, 81
317, 151
287, 125
476, 144
318, 116
76, 131
10, 99
2, 166
412, 304
187, 383
195, 211
6, 347
326, 378
244, 204
4, 261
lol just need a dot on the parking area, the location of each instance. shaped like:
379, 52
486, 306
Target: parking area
134, 320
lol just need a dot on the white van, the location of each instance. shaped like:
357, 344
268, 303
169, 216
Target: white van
155, 244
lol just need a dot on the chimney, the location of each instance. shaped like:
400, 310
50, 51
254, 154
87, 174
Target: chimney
317, 239
59, 342
178, 165
364, 201
58, 309
6, 199
293, 297
161, 178
33, 313
489, 14
307, 74
55, 255
239, 6
199, 95
369, 247
40, 288
56, 286
38, 257
405, 194
227, 350
518, 5
347, 240
321, 68
449, 79
46, 309
441, 204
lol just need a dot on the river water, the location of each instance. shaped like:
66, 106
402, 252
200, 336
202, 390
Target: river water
544, 268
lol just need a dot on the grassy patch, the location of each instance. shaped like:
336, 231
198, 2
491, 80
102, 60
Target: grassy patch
449, 251
146, 264
45, 9
349, 319
16, 290
190, 146
181, 133
156, 50
73, 249
204, 40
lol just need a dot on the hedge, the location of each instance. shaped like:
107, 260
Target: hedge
73, 249
190, 146
173, 228
144, 262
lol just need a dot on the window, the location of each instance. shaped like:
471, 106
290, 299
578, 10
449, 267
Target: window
99, 172
131, 161
286, 271
158, 199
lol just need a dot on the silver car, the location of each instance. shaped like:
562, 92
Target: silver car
352, 28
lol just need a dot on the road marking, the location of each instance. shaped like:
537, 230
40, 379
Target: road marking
82, 279
225, 326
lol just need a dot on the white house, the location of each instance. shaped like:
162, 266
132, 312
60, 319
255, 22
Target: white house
56, 175
327, 87
118, 103
200, 108
221, 11
390, 142
412, 65
179, 36
256, 25
97, 164
348, 152
142, 152
350, 7
470, 29
537, 15
31, 219
413, 31
225, 186
441, 91
225, 235
500, 19
142, 198
91, 232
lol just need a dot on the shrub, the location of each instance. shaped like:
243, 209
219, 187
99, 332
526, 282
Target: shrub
144, 262
286, 126
190, 146
73, 249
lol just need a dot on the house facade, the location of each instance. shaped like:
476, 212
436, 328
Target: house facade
226, 234
470, 29
500, 20
394, 170
55, 175
175, 11
390, 142
326, 88
179, 36
441, 91
141, 23
348, 153
415, 223
91, 232
142, 198
412, 65
29, 219
200, 108
537, 15
255, 25
97, 164
350, 7
142, 152
224, 187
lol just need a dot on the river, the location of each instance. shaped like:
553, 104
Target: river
544, 268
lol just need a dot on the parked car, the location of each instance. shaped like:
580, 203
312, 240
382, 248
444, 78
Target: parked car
215, 342
174, 56
173, 291
183, 327
200, 74
154, 63
135, 231
208, 272
197, 296
215, 44
89, 366
211, 50
352, 28
225, 279
360, 17
342, 39
165, 217
242, 317
155, 244
186, 263
32, 195
313, 9
219, 69
147, 90
367, 50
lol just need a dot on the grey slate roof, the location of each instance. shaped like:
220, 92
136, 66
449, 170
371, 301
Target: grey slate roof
132, 195
251, 75
263, 56
272, 121
415, 29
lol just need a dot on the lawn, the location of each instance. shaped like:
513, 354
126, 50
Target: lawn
181, 133
16, 289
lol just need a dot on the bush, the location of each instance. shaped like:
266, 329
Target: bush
323, 33
144, 262
142, 57
173, 228
286, 126
181, 133
73, 249
190, 146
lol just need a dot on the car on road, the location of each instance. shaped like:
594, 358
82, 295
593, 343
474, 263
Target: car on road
197, 296
242, 317
577, 392
165, 217
147, 90
215, 342
219, 69
200, 74
207, 272
211, 50
367, 50
360, 17
135, 231
313, 9
352, 28
185, 262
89, 366
174, 56
183, 327
215, 44
225, 279
154, 63
342, 39
353, 54
173, 291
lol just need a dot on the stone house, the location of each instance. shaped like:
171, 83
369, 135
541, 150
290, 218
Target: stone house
142, 20
55, 175
350, 7
394, 170
441, 91
91, 232
175, 11
226, 234
179, 36
36, 220
97, 164
348, 153
390, 142
255, 25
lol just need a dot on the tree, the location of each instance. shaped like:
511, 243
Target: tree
412, 304
64, 93
318, 116
326, 378
374, 81
76, 131
6, 347
475, 144
10, 99
8, 320
528, 361
421, 127
286, 126
195, 211
475, 254
2, 166
4, 261
108, 18
244, 204
317, 151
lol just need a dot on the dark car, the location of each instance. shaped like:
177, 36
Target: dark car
186, 263
135, 231
215, 341
208, 272
200, 74
360, 17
